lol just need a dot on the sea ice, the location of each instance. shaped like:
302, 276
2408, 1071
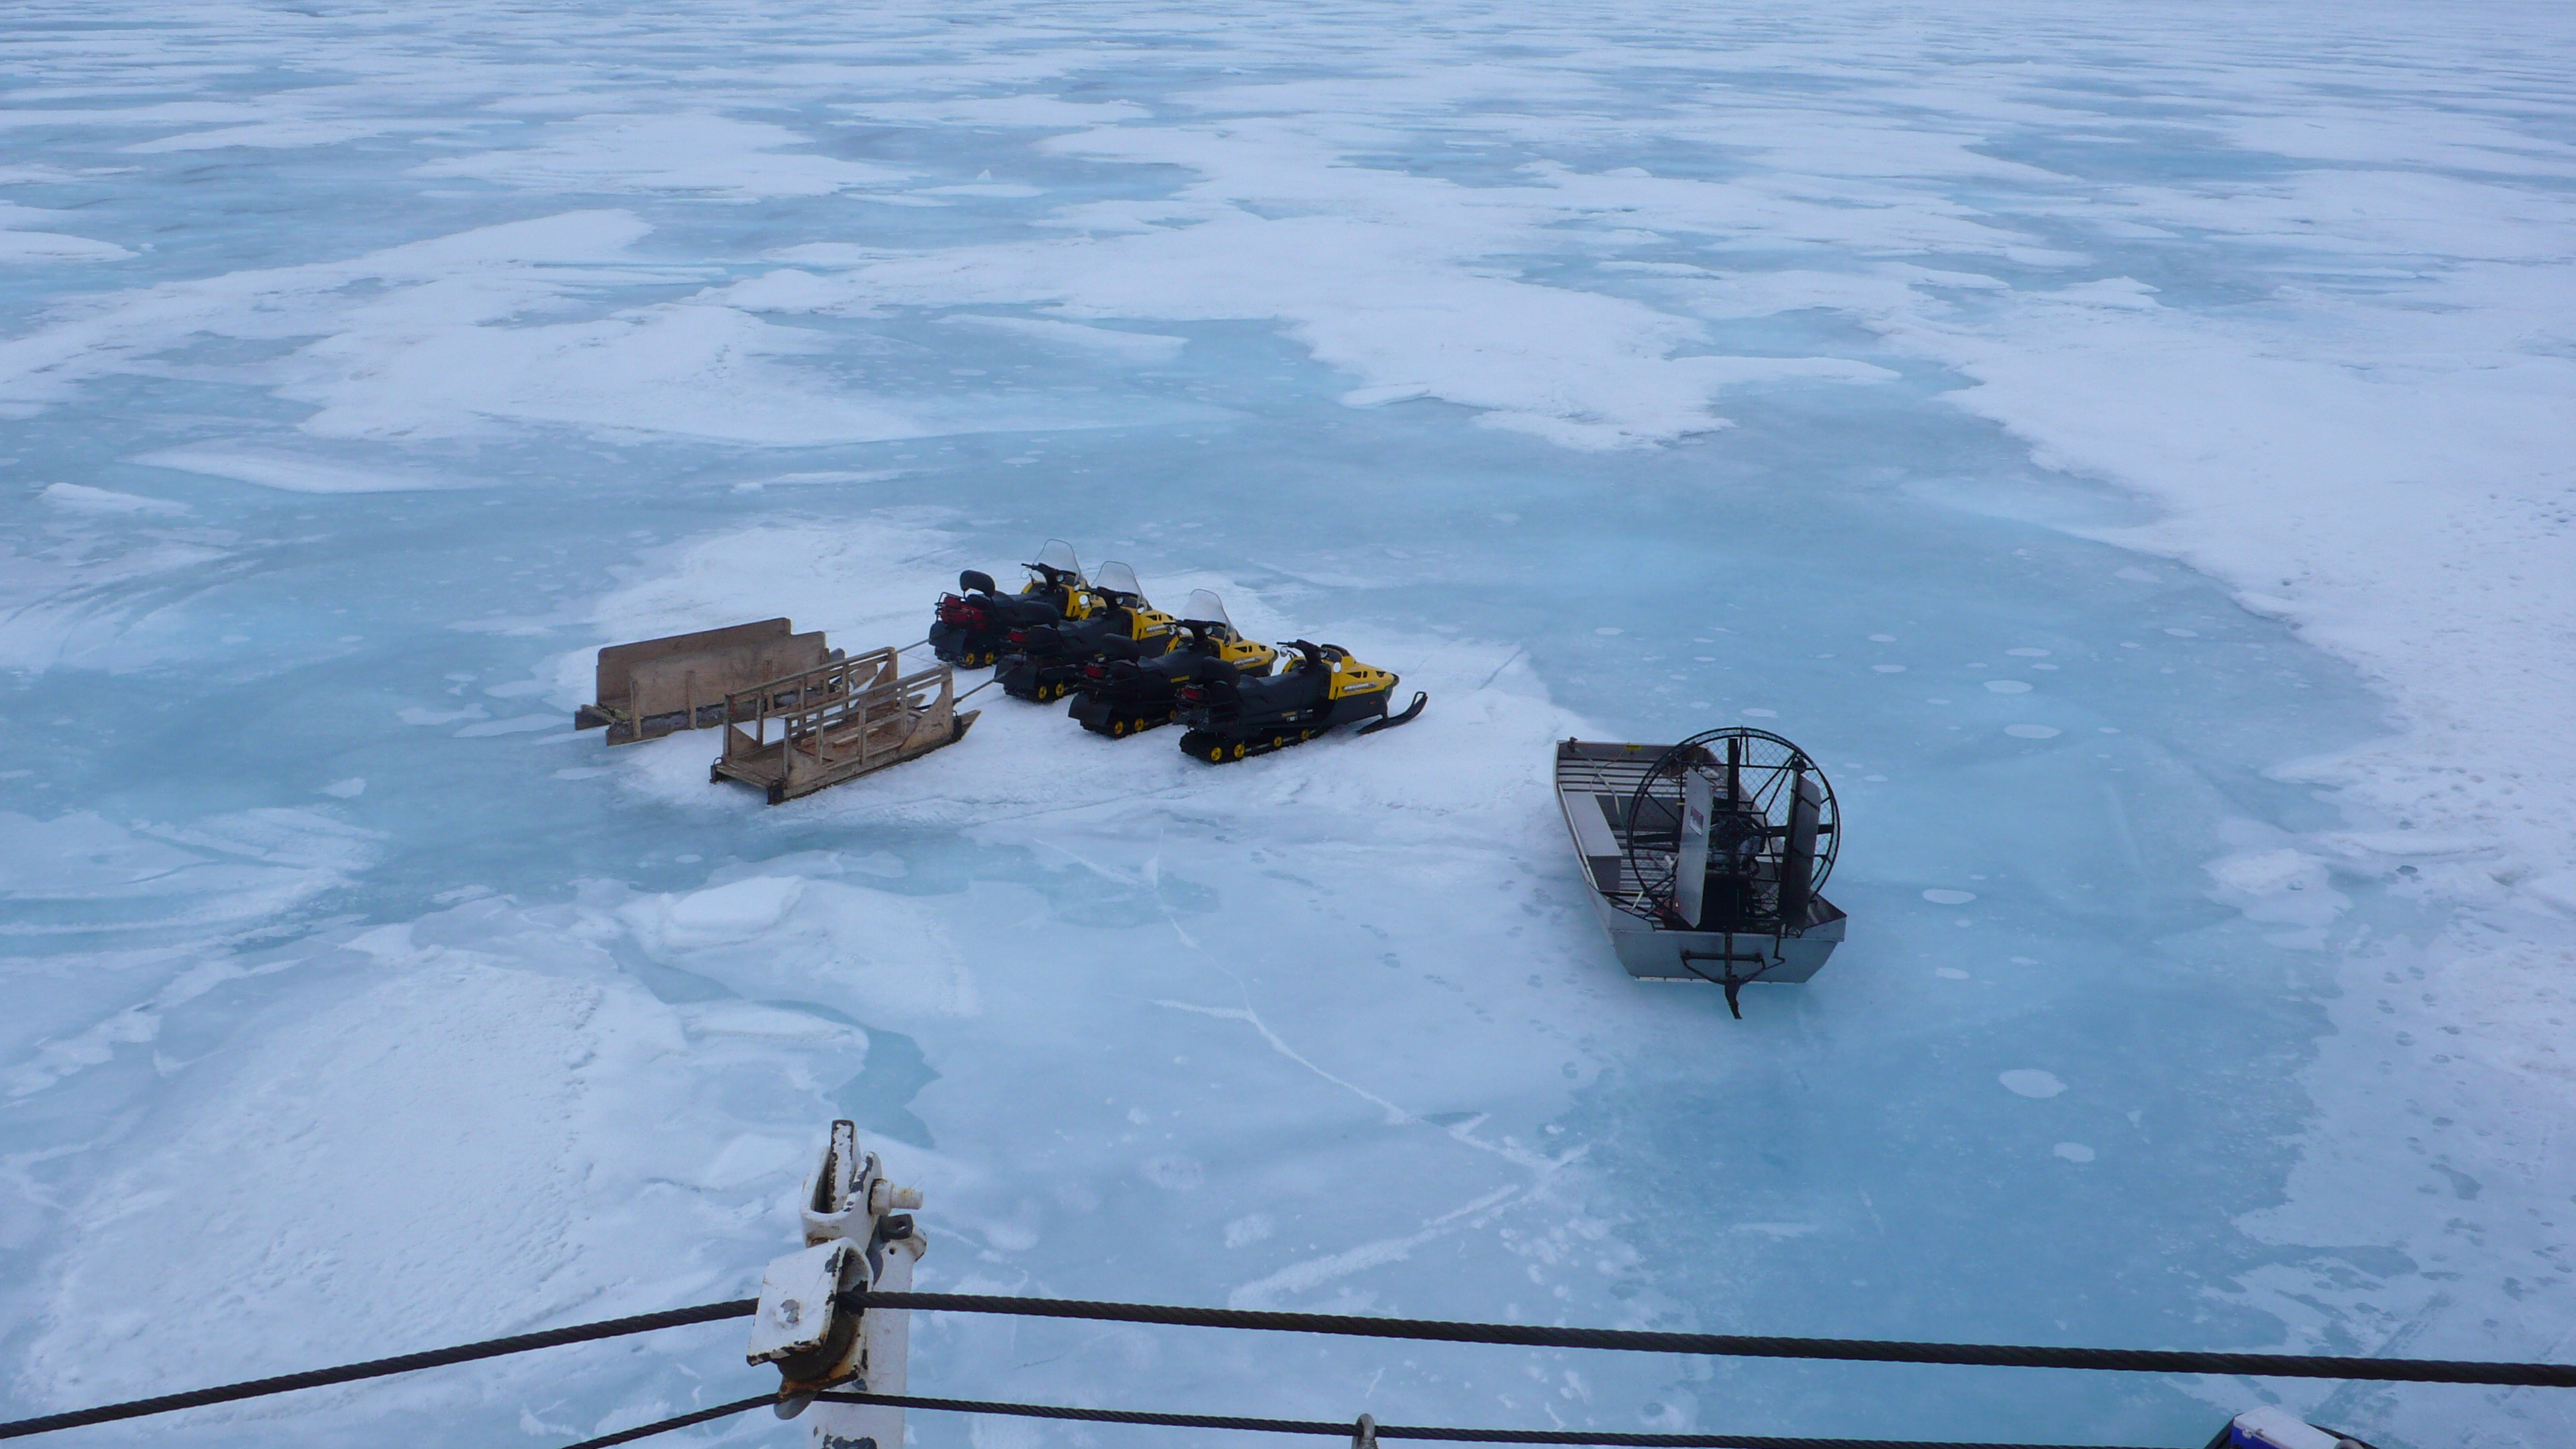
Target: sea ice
2032, 1082
364, 375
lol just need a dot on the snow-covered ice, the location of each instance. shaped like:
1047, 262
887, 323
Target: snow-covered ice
2128, 443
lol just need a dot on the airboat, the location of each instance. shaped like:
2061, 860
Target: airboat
1707, 859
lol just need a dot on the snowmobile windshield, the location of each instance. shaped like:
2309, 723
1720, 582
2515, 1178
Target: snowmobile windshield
1118, 578
1058, 555
1206, 608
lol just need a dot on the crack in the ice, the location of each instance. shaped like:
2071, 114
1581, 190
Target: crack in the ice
1396, 1116
1314, 1272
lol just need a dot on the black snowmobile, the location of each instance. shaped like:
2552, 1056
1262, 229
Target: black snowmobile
973, 627
1231, 717
1045, 661
1120, 694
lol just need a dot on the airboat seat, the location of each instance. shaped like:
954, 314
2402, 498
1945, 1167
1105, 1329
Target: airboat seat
1594, 841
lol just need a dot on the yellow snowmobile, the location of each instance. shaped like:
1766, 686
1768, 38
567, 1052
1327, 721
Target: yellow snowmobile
973, 626
1231, 717
1045, 661
1120, 694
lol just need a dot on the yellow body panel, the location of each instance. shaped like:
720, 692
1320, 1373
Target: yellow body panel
1079, 602
1245, 654
1351, 677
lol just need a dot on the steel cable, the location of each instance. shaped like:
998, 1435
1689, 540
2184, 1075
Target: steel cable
680, 1421
378, 1368
2133, 1360
2258, 1365
1319, 1427
1397, 1431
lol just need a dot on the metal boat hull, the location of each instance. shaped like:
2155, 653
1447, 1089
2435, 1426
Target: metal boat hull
1652, 953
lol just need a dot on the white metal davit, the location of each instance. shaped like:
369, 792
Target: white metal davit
859, 1238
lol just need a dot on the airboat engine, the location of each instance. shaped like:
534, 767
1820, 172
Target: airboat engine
1707, 859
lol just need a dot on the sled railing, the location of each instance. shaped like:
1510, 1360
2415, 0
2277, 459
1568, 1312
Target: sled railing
797, 734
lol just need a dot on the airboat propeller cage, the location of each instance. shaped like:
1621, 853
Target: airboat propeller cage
1708, 858
1732, 829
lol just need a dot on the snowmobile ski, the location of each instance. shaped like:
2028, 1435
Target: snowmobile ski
1119, 695
1234, 718
972, 627
1411, 713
